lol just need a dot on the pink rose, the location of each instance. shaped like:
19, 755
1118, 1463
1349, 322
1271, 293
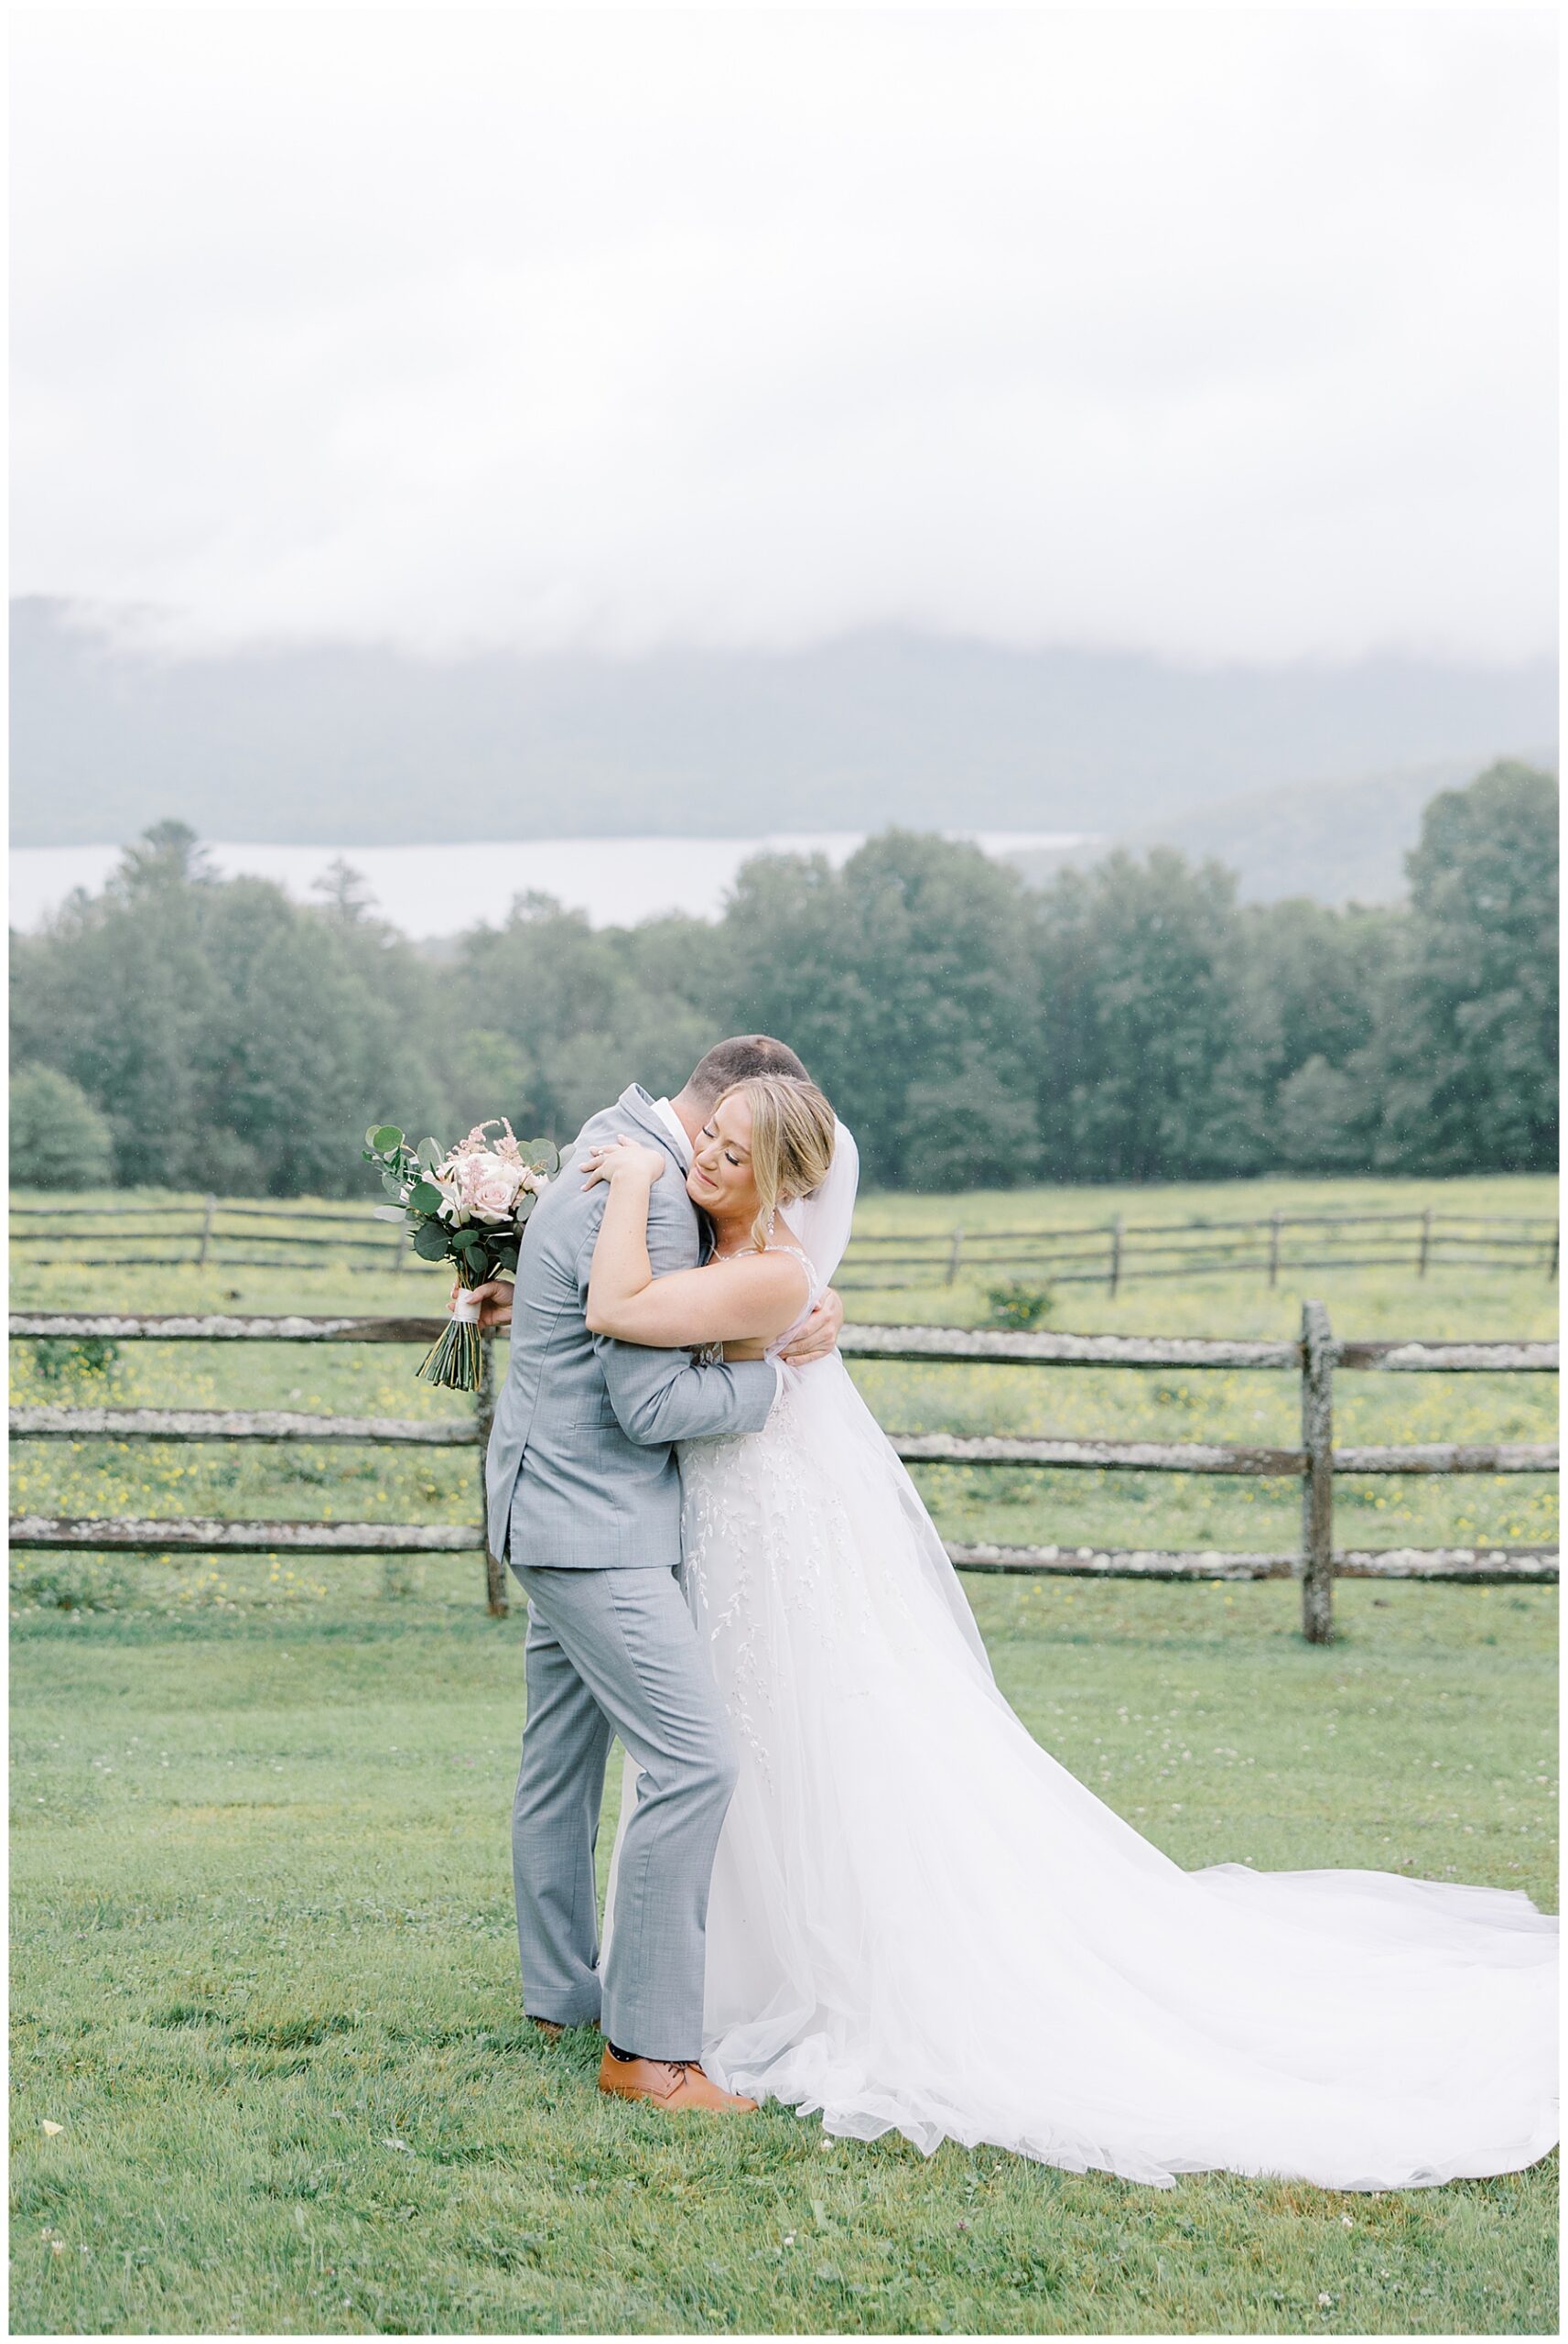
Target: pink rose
476, 1184
492, 1193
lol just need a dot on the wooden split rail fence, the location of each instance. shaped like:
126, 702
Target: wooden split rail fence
199, 1236
1108, 1253
1112, 1253
1314, 1360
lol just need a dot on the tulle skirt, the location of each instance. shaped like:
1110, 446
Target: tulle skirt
919, 1921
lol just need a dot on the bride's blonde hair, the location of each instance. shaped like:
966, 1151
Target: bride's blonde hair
791, 1141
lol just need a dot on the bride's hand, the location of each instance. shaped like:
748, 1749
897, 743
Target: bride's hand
623, 1159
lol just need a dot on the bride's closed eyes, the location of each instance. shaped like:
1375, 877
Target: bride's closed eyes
729, 1154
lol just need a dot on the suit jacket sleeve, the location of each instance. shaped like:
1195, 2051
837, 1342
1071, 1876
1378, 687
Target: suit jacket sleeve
663, 1395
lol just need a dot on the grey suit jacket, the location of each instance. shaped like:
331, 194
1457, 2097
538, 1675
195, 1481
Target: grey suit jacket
581, 1473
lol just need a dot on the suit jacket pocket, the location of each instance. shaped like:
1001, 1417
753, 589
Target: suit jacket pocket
601, 1410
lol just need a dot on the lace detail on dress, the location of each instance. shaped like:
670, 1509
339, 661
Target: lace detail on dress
751, 1502
757, 1528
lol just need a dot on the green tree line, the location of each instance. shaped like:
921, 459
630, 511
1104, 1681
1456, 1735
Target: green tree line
1128, 1022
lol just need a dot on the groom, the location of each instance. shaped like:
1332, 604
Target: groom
584, 1499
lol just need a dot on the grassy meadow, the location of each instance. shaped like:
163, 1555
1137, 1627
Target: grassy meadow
264, 1971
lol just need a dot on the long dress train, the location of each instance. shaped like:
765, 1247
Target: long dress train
919, 1920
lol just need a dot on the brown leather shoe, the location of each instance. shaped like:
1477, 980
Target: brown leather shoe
668, 2083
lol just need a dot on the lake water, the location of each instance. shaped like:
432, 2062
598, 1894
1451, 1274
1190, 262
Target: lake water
439, 890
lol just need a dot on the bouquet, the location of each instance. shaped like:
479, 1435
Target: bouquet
468, 1207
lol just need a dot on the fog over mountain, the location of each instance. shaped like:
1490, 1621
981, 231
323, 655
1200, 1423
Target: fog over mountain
338, 743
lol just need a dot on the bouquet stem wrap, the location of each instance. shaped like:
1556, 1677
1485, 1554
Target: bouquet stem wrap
453, 1359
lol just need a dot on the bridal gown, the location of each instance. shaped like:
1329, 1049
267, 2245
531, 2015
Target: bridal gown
920, 1921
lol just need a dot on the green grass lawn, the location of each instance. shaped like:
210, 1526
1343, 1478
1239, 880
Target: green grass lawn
265, 1980
263, 1971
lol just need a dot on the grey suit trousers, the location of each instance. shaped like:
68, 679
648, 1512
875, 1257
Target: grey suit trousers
615, 1652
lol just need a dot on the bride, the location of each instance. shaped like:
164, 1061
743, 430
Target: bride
918, 1919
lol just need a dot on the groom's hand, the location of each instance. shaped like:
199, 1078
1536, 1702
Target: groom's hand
819, 1336
494, 1302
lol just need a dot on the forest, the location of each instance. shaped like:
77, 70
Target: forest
1132, 1021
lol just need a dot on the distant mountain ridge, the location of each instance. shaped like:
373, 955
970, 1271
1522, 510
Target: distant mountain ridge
1338, 841
335, 744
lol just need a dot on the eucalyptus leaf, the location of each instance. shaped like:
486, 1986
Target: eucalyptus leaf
387, 1212
430, 1153
431, 1241
425, 1197
393, 1186
385, 1138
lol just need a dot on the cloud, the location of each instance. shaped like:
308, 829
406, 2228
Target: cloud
1218, 335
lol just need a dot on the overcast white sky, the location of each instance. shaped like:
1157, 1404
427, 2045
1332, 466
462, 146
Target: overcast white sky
1215, 334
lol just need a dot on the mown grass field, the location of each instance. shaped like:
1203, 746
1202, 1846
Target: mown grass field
265, 1979
263, 1973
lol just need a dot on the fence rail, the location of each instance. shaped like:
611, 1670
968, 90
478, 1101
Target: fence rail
1111, 1252
1108, 1254
951, 1345
1314, 1360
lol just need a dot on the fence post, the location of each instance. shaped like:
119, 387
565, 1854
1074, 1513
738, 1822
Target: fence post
1115, 1232
485, 1411
1556, 1244
1317, 1481
1425, 1241
206, 1230
955, 1256
1275, 1220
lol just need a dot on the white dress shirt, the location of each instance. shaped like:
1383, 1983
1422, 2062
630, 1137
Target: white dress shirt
675, 1128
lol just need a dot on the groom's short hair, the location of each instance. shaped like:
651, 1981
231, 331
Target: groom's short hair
737, 1060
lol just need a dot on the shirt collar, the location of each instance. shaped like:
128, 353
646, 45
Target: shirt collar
675, 1128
